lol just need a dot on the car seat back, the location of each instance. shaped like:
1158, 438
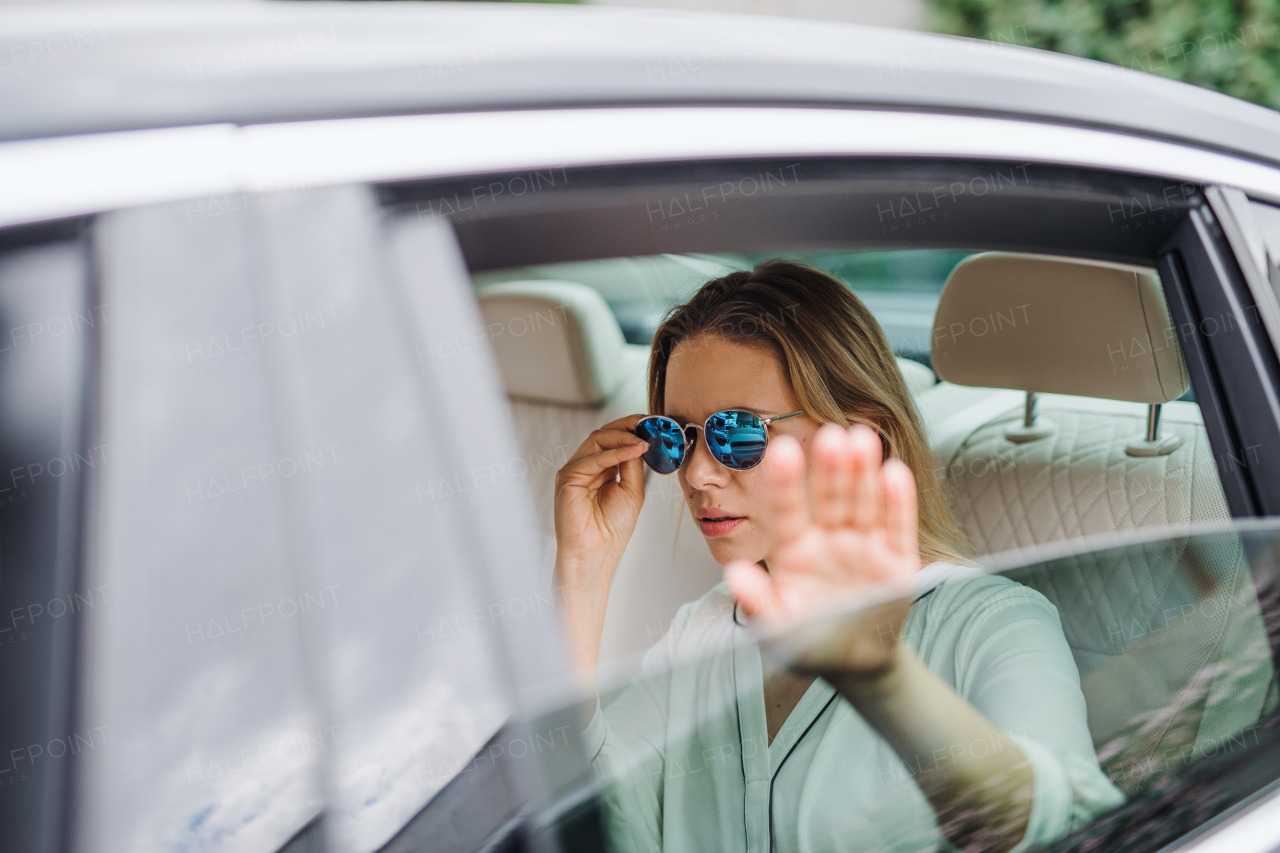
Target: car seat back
1095, 343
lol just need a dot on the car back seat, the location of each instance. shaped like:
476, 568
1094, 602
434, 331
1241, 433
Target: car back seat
1094, 341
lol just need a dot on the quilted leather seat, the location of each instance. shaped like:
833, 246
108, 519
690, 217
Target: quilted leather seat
1078, 481
1168, 636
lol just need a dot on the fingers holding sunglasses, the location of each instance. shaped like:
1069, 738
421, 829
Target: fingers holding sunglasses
830, 483
604, 449
866, 452
607, 437
785, 485
605, 464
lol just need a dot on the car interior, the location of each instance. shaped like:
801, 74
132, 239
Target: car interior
1099, 440
1084, 466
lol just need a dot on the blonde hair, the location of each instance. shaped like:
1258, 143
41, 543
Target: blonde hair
838, 361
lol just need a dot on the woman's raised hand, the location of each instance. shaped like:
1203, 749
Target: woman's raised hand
856, 528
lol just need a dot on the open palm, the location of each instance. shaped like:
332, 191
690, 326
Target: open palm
854, 534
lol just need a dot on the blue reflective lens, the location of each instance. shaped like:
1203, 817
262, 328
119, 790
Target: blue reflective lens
737, 439
666, 443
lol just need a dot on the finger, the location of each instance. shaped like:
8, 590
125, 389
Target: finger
632, 478
606, 439
828, 484
901, 507
866, 450
787, 508
605, 477
590, 467
752, 587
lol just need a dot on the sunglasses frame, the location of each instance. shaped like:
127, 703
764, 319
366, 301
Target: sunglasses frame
703, 428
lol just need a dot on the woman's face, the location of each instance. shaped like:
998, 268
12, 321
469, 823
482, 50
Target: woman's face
709, 374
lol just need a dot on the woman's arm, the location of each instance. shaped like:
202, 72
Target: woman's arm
856, 530
982, 797
599, 492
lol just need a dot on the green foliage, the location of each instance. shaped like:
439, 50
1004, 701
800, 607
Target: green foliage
1232, 46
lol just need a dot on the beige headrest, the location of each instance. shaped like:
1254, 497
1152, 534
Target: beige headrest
556, 341
1059, 326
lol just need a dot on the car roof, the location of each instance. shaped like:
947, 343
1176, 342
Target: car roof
69, 70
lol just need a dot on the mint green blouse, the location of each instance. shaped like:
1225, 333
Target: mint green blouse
684, 755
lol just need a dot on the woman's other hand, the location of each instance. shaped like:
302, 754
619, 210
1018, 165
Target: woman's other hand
599, 492
857, 528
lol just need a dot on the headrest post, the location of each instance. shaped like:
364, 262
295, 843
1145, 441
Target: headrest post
1033, 426
1154, 445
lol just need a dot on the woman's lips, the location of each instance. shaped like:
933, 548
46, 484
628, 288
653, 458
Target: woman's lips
714, 527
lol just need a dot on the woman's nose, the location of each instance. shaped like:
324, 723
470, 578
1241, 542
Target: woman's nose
702, 470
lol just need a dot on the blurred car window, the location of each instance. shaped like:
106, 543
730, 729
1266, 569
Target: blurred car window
901, 288
442, 623
332, 584
196, 672
1172, 640
1175, 642
639, 289
412, 691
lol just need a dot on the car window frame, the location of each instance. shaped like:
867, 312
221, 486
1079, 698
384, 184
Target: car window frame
44, 705
1230, 356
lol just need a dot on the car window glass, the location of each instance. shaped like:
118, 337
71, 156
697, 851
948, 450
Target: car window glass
1129, 677
901, 289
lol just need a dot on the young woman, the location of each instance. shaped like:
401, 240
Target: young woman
949, 713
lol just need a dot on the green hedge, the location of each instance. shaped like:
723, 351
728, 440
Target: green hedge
1232, 46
